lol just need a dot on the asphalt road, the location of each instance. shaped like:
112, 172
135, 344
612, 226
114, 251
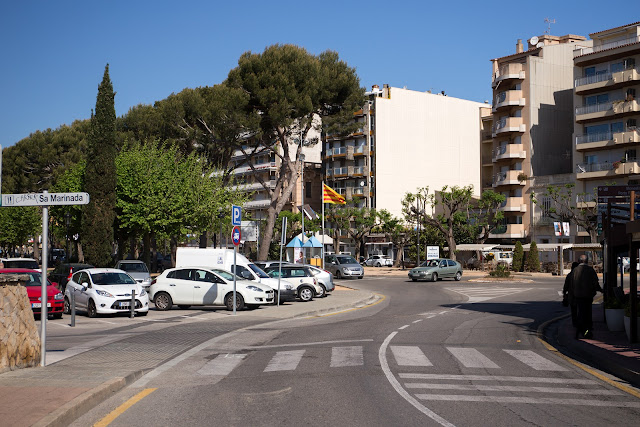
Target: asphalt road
445, 353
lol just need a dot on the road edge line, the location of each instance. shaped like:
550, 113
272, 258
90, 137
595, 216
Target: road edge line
111, 416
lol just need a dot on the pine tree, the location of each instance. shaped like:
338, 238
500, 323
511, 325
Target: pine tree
100, 179
518, 257
533, 261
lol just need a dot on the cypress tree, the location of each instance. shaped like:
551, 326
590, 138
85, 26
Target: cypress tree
533, 261
100, 179
518, 257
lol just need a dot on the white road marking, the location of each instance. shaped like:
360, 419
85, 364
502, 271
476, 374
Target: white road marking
56, 356
285, 361
532, 400
483, 294
534, 360
472, 358
416, 321
414, 376
403, 327
258, 347
104, 321
222, 365
534, 389
346, 356
409, 356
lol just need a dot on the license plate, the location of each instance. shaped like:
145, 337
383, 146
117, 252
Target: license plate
39, 305
125, 304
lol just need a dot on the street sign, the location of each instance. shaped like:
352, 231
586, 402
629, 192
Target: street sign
235, 235
236, 215
433, 252
45, 199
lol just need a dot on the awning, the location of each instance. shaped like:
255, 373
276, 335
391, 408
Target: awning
473, 247
312, 243
547, 247
295, 243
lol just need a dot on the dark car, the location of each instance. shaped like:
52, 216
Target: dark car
62, 273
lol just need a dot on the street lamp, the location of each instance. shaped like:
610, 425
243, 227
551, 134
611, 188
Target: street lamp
67, 222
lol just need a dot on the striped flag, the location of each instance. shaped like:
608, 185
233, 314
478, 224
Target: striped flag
329, 195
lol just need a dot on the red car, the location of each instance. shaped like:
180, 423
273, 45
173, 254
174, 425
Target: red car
55, 299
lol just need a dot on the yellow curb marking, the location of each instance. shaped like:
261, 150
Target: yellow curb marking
126, 405
382, 298
609, 381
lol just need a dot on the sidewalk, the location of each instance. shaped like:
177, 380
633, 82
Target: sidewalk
59, 393
607, 351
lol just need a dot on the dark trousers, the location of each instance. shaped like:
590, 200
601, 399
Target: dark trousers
583, 315
574, 313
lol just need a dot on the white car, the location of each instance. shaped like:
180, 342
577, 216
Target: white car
189, 286
105, 291
379, 261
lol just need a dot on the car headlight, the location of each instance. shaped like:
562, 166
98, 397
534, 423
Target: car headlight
59, 296
254, 288
143, 293
345, 269
104, 293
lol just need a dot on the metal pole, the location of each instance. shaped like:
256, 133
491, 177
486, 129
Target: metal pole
73, 309
132, 308
322, 225
235, 271
44, 297
418, 229
283, 239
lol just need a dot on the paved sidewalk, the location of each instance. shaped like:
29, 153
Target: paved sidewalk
57, 394
607, 351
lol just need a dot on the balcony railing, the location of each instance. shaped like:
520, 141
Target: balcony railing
605, 46
595, 108
359, 149
500, 150
358, 170
585, 198
341, 171
594, 167
596, 78
594, 137
358, 190
339, 150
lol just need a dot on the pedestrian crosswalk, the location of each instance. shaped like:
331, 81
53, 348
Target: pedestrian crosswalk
480, 294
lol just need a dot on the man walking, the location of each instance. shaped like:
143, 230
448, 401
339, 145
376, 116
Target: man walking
584, 285
567, 295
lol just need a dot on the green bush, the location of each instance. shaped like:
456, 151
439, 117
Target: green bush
502, 270
518, 257
612, 303
533, 260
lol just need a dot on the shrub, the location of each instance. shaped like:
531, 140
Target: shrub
502, 270
533, 260
518, 257
612, 303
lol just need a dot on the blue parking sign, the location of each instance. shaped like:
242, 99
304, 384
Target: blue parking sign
236, 215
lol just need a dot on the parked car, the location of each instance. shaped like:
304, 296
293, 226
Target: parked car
28, 263
105, 291
55, 299
63, 272
379, 261
189, 286
138, 270
302, 277
435, 269
265, 264
57, 256
325, 278
343, 266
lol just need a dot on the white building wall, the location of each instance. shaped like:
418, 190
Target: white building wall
424, 139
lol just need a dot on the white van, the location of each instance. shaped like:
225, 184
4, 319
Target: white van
499, 256
223, 259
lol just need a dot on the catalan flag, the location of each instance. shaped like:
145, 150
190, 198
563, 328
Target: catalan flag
329, 195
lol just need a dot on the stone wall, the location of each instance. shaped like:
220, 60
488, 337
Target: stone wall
19, 338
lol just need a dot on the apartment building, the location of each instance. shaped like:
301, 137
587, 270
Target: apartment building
607, 112
532, 126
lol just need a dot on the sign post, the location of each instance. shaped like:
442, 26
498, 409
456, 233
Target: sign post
235, 236
44, 199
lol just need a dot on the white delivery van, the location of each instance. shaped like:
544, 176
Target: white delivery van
223, 259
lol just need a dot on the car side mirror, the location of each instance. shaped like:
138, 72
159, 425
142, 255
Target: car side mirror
246, 275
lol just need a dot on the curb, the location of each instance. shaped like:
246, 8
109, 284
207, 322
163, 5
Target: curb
73, 409
372, 298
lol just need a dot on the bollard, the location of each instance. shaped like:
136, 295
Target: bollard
133, 304
73, 309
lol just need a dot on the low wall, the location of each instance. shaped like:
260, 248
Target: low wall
19, 338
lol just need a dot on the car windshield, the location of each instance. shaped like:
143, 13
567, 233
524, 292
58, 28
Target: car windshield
35, 279
134, 267
430, 263
261, 274
226, 275
343, 259
112, 279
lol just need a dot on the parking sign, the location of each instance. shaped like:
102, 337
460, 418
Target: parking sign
236, 215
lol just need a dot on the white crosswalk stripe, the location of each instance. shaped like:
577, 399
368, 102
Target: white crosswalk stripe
409, 356
530, 400
346, 356
285, 361
475, 295
511, 388
222, 365
534, 360
472, 358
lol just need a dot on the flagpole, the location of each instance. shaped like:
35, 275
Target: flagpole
322, 225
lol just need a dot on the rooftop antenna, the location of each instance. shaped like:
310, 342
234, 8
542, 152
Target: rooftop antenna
549, 22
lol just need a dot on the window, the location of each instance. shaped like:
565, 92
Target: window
591, 159
205, 276
631, 94
630, 154
591, 71
307, 190
443, 263
451, 263
181, 274
631, 124
242, 272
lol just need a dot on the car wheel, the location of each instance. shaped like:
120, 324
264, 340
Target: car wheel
142, 313
91, 309
378, 264
184, 307
57, 316
338, 274
163, 301
322, 293
415, 280
434, 277
305, 293
67, 306
458, 276
361, 277
228, 301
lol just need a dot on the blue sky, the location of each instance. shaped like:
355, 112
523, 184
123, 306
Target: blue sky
54, 52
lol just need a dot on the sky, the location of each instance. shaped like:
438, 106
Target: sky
54, 52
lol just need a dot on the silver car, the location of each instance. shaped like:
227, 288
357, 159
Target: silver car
325, 278
138, 270
343, 266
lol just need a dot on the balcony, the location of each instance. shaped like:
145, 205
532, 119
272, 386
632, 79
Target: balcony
258, 168
513, 204
257, 204
361, 150
587, 171
340, 172
339, 151
508, 72
584, 201
509, 151
508, 124
508, 98
360, 170
606, 109
256, 186
607, 140
606, 80
588, 50
507, 178
508, 231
